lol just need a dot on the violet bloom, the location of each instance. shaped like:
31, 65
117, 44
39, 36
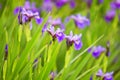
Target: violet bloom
96, 51
74, 39
60, 3
56, 22
52, 75
26, 13
110, 15
91, 78
47, 5
55, 33
80, 21
115, 4
100, 1
89, 2
105, 76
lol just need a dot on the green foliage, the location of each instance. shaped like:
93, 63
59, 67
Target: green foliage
33, 56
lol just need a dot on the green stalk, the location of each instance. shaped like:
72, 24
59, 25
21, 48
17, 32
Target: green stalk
27, 32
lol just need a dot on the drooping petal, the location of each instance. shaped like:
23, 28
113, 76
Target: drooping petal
60, 36
100, 73
44, 28
72, 4
110, 15
78, 45
17, 10
96, 54
39, 20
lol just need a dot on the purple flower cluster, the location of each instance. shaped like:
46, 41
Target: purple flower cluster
26, 13
55, 22
47, 5
57, 3
60, 3
96, 51
80, 21
115, 4
110, 14
60, 35
105, 76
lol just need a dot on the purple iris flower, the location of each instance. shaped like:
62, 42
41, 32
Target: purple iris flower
105, 76
80, 21
100, 1
110, 15
26, 13
55, 33
56, 22
47, 5
52, 75
96, 51
29, 6
115, 4
74, 39
60, 3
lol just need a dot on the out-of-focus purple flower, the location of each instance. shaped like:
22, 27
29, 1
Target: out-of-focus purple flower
80, 21
72, 3
97, 50
91, 78
110, 15
60, 3
56, 22
17, 10
89, 2
100, 73
29, 6
47, 5
105, 76
115, 4
52, 75
100, 1
55, 33
74, 39
26, 13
